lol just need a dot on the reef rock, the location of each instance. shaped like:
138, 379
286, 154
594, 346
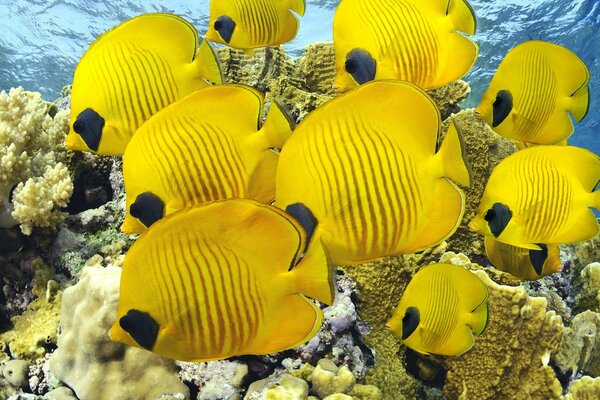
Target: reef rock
510, 358
578, 349
94, 366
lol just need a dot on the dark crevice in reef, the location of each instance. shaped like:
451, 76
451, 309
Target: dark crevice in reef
91, 189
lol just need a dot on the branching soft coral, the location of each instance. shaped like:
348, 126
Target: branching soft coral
32, 161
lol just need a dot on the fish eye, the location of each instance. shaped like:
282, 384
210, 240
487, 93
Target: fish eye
218, 25
351, 66
490, 215
135, 211
78, 126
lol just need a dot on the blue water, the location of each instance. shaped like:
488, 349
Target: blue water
42, 40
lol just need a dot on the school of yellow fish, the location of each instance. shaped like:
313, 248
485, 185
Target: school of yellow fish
236, 238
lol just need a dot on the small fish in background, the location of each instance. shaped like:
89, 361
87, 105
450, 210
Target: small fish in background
411, 40
207, 146
542, 194
441, 310
524, 264
365, 165
248, 24
537, 85
228, 278
132, 71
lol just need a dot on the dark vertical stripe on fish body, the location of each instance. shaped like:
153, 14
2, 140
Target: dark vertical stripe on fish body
157, 277
442, 310
112, 64
133, 98
160, 94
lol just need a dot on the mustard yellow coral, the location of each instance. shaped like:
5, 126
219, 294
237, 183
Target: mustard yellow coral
32, 161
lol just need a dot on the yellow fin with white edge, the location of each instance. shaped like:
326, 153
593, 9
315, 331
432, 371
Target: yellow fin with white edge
208, 63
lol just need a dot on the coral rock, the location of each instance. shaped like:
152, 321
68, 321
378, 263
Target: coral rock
215, 379
278, 387
589, 297
578, 348
32, 162
327, 379
586, 388
510, 358
15, 373
92, 365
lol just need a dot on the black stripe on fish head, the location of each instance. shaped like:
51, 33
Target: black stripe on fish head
89, 125
497, 218
410, 321
305, 217
141, 327
538, 258
148, 208
360, 65
502, 107
225, 26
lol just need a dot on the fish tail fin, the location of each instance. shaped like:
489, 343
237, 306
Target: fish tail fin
580, 103
314, 274
479, 318
463, 56
452, 156
298, 6
462, 15
596, 199
278, 125
554, 262
208, 64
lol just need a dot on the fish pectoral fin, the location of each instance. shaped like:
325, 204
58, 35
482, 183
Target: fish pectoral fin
208, 64
460, 58
261, 184
462, 15
298, 321
444, 218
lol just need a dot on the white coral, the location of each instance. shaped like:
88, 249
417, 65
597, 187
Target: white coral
32, 157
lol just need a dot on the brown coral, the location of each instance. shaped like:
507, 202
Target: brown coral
510, 359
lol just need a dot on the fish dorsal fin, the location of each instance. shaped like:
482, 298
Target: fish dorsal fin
462, 15
298, 6
155, 30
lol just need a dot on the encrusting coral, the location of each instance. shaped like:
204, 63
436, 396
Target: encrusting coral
510, 358
586, 388
581, 339
34, 179
95, 367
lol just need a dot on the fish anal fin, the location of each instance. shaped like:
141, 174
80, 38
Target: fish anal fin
299, 320
443, 219
261, 184
460, 57
452, 157
208, 64
460, 341
479, 318
278, 125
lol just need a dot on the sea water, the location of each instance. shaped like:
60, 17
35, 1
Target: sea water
41, 41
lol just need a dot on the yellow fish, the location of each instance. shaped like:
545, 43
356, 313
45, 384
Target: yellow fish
202, 148
541, 194
365, 165
411, 40
441, 310
525, 264
248, 24
533, 91
129, 73
228, 278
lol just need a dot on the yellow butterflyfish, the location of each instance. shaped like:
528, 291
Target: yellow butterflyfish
537, 85
207, 146
442, 309
131, 72
525, 264
365, 165
412, 40
224, 279
542, 194
248, 24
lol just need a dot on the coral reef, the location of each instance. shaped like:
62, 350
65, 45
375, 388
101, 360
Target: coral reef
93, 366
589, 297
586, 388
34, 179
581, 339
35, 331
479, 140
215, 379
510, 358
